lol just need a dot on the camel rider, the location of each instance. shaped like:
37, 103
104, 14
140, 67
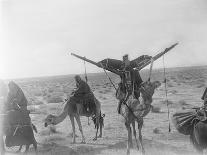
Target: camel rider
16, 99
130, 80
83, 93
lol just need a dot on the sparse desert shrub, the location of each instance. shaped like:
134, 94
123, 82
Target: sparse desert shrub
156, 109
170, 85
50, 90
156, 131
38, 93
201, 85
37, 102
54, 99
165, 102
182, 102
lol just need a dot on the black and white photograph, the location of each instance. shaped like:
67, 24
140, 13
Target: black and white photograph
103, 77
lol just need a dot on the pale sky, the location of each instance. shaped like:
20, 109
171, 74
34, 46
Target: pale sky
39, 35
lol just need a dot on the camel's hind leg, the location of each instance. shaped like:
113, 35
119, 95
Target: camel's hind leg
97, 126
73, 128
135, 134
140, 124
2, 148
129, 142
77, 117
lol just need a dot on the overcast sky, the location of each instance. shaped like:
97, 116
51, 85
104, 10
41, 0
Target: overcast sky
39, 35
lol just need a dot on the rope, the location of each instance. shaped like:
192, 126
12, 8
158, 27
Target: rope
151, 66
85, 71
108, 77
166, 96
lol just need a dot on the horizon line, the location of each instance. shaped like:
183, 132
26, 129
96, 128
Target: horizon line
45, 76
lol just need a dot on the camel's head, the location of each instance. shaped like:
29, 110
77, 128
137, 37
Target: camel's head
147, 88
49, 120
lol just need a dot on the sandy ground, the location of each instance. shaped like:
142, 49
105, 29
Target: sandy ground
185, 88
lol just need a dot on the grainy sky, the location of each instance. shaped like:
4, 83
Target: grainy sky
38, 35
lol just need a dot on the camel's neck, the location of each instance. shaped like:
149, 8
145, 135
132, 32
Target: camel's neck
60, 117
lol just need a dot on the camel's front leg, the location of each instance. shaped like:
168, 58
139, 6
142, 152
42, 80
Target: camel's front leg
129, 138
140, 124
135, 134
100, 135
73, 127
80, 128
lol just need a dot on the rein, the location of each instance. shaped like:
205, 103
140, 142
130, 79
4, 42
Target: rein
166, 96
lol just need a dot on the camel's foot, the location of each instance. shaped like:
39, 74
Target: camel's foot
83, 142
99, 136
95, 138
73, 142
128, 152
143, 151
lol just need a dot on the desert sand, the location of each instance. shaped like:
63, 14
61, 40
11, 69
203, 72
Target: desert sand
46, 96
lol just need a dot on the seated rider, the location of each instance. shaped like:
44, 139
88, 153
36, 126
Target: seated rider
83, 93
130, 80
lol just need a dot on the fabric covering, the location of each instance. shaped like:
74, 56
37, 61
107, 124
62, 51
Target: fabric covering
18, 127
118, 64
15, 97
183, 121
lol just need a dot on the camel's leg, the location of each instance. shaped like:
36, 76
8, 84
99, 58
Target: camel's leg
77, 117
20, 148
27, 149
131, 143
140, 124
73, 127
97, 126
100, 135
129, 138
135, 134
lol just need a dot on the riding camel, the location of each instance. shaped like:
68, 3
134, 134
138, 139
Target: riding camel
134, 110
75, 110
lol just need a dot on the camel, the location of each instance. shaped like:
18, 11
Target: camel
75, 110
134, 110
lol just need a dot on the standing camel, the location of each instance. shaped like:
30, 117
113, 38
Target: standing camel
75, 110
134, 110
